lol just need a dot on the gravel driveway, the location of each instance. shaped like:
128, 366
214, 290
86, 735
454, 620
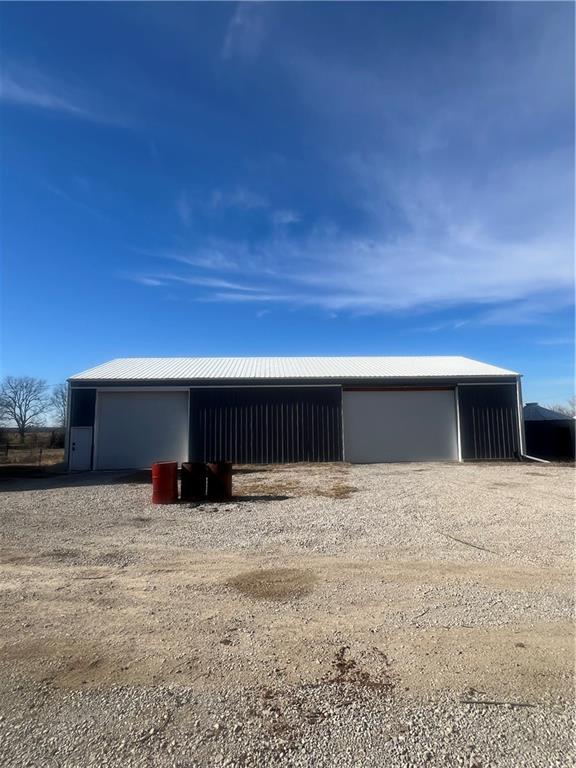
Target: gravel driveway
382, 615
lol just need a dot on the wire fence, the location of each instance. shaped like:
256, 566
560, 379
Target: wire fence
25, 454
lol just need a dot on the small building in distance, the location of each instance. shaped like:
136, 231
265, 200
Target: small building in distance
549, 434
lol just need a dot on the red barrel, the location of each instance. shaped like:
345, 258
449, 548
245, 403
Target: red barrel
165, 482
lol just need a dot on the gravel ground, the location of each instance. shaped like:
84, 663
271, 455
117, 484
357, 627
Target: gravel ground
397, 615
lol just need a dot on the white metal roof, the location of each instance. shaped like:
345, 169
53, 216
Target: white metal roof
181, 368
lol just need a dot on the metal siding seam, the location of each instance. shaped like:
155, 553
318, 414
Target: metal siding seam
329, 431
202, 415
316, 433
265, 434
283, 436
214, 431
474, 432
188, 426
321, 456
297, 418
280, 432
95, 433
342, 426
520, 416
289, 424
313, 433
324, 430
295, 455
229, 433
261, 433
458, 435
319, 413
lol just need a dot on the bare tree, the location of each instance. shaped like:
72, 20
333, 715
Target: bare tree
59, 403
23, 401
568, 408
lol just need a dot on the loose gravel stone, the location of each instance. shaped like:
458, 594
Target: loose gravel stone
329, 616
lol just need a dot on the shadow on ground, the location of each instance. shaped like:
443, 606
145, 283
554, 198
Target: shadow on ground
24, 478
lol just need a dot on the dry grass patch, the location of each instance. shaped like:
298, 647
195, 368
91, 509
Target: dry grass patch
337, 491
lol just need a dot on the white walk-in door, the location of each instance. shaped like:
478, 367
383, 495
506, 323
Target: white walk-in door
80, 449
136, 429
404, 425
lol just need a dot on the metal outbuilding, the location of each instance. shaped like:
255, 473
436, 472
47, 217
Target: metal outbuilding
128, 413
549, 434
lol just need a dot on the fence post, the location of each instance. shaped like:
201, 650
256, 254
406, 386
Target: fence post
40, 458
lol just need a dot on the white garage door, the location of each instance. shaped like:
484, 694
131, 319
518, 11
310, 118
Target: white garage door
400, 426
135, 429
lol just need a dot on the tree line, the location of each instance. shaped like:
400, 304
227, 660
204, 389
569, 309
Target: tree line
26, 403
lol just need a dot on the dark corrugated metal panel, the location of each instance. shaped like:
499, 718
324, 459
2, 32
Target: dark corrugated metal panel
266, 425
549, 439
82, 407
489, 422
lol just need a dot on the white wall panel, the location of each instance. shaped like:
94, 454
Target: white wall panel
135, 429
400, 426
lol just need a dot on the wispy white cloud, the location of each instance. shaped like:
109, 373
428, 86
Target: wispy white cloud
208, 256
429, 267
532, 311
150, 282
31, 87
184, 208
245, 31
35, 90
227, 297
460, 243
467, 190
75, 199
556, 341
157, 280
241, 198
210, 282
284, 216
221, 201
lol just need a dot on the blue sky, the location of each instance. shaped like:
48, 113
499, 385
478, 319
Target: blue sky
288, 179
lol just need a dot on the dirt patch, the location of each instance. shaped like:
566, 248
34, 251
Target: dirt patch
59, 555
112, 558
349, 671
274, 583
263, 488
338, 491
